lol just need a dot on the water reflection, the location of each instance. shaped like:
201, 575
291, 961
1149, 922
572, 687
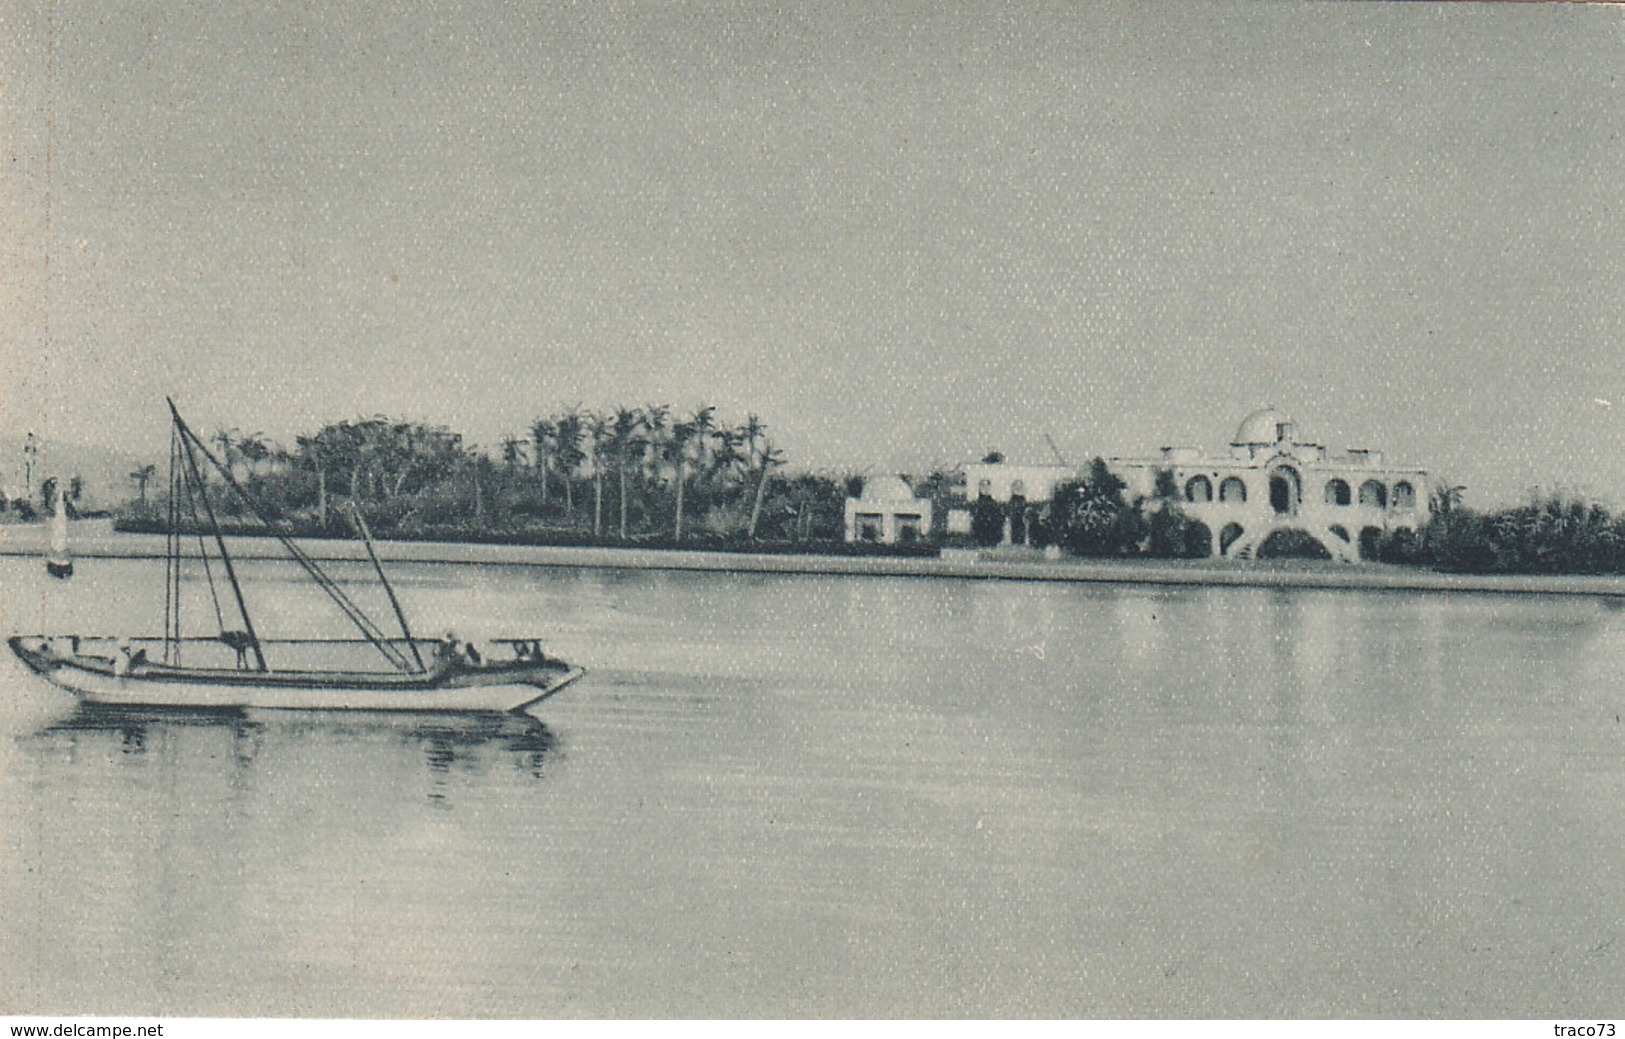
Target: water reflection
838, 796
449, 743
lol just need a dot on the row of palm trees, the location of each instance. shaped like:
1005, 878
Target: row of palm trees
631, 471
639, 447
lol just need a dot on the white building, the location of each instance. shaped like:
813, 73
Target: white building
887, 513
1004, 483
1268, 480
1012, 486
1271, 480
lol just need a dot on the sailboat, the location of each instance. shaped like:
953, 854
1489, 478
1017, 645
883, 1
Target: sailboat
58, 562
236, 668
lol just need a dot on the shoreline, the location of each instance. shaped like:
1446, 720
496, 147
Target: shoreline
104, 543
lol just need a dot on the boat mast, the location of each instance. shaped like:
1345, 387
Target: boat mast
187, 439
389, 590
357, 616
172, 557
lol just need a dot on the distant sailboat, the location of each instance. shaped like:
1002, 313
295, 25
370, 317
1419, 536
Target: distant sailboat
58, 561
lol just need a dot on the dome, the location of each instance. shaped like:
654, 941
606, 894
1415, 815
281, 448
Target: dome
886, 488
1268, 426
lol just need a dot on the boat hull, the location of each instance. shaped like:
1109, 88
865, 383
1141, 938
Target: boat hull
502, 688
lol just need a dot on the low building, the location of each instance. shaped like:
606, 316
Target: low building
1005, 483
1019, 489
887, 513
1272, 480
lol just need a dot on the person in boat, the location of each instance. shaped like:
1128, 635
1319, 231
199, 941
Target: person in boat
239, 641
457, 653
125, 661
449, 650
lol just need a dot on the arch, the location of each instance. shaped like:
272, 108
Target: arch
986, 522
1337, 492
1292, 543
1404, 495
1285, 491
984, 488
1233, 490
1370, 543
1340, 530
1374, 495
908, 528
869, 526
1198, 540
1228, 536
1018, 488
1198, 489
1018, 515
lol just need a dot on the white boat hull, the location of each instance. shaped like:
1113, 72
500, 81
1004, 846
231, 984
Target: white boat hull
470, 690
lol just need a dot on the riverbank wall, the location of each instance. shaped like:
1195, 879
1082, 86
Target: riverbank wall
99, 541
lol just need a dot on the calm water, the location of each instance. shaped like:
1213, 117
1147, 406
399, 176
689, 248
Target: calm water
845, 796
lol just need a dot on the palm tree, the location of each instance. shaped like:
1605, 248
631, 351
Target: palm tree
599, 433
399, 454
1446, 498
704, 425
752, 433
656, 437
513, 451
688, 443
728, 461
807, 492
253, 449
568, 431
318, 454
513, 456
226, 441
625, 442
768, 459
351, 452
760, 458
543, 437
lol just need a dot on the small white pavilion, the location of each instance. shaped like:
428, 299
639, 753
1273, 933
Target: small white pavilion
887, 513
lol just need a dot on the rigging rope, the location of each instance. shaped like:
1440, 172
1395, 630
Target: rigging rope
354, 613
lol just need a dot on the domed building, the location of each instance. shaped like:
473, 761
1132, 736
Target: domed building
1273, 480
887, 513
1269, 480
1262, 428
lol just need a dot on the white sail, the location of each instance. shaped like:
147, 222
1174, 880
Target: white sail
58, 562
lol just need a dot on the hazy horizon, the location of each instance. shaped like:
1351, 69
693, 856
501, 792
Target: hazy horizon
903, 234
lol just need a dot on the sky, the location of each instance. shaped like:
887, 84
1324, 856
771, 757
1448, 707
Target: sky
903, 234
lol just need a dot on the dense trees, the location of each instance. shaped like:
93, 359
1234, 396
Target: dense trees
1551, 533
650, 475
625, 474
1095, 517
